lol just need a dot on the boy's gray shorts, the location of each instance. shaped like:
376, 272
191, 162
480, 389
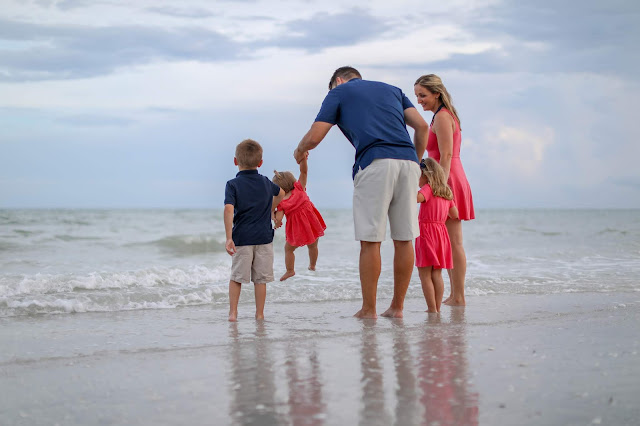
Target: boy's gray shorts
252, 264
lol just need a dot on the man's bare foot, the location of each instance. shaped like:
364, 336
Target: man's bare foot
312, 268
365, 315
393, 313
287, 274
233, 316
455, 302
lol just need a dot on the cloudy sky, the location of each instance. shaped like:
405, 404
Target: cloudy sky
118, 103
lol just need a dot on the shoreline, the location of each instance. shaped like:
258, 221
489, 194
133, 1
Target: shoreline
504, 359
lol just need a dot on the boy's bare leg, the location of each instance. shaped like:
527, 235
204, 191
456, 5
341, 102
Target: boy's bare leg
369, 274
458, 273
289, 261
403, 260
313, 254
438, 286
428, 288
261, 297
234, 297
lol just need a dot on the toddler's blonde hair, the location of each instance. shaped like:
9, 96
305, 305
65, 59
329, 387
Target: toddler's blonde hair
284, 180
436, 178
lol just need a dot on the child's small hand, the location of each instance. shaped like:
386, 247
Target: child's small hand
277, 224
231, 247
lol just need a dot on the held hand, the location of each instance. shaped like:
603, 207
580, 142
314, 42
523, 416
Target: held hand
278, 224
230, 246
300, 155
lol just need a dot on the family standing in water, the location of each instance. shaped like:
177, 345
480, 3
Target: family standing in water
387, 173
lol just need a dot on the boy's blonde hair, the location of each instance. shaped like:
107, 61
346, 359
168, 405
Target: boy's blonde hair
249, 154
436, 178
284, 180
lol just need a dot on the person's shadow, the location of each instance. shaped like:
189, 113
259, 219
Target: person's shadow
253, 388
443, 375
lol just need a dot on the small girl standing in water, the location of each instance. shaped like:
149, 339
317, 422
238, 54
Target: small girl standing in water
433, 247
304, 223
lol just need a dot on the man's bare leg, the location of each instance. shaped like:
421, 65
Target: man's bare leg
458, 273
313, 254
289, 261
234, 297
369, 274
403, 260
261, 297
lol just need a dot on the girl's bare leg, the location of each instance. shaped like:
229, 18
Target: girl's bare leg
458, 273
438, 286
234, 297
261, 297
289, 261
313, 254
427, 288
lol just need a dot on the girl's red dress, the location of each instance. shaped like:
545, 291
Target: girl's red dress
304, 222
433, 246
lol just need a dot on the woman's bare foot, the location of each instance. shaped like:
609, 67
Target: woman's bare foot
233, 316
393, 313
312, 267
455, 301
287, 274
365, 315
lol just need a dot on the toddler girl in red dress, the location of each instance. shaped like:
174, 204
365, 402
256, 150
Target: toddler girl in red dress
433, 247
304, 223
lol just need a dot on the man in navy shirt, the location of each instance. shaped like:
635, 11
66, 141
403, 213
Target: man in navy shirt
249, 201
373, 116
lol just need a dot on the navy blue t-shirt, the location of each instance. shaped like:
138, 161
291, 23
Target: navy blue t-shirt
371, 115
251, 195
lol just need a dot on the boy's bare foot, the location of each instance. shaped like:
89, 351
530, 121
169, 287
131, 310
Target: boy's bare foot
312, 268
287, 274
365, 315
393, 313
233, 316
454, 302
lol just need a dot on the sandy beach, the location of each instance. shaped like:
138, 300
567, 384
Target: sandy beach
522, 359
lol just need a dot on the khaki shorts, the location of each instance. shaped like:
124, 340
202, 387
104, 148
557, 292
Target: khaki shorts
386, 188
252, 264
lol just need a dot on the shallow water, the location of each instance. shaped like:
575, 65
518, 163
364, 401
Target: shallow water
65, 261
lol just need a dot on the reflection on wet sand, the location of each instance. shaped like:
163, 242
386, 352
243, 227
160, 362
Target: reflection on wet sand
252, 379
372, 410
404, 364
446, 393
306, 406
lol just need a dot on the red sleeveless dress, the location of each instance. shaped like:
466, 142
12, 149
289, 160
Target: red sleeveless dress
433, 246
457, 178
304, 222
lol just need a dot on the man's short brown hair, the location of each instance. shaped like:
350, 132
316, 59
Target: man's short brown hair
345, 73
249, 154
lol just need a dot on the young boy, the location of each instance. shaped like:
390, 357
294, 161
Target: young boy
249, 202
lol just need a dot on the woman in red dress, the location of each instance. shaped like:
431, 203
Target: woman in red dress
443, 145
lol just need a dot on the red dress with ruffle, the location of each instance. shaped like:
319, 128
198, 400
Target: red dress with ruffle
433, 246
304, 222
457, 178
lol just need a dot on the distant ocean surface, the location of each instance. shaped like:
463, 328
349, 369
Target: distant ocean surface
65, 261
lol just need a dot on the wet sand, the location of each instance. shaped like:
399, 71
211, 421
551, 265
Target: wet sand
523, 359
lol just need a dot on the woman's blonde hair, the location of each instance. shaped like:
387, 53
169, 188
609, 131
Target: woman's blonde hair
284, 180
434, 84
436, 178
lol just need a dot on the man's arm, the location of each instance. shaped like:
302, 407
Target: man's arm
228, 226
314, 136
421, 130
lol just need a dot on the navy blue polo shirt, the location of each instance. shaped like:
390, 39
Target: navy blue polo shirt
251, 195
371, 115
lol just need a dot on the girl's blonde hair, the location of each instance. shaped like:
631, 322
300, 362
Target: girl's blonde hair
434, 84
284, 180
436, 178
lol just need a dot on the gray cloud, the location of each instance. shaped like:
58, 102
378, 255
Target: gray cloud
324, 30
64, 52
191, 13
555, 36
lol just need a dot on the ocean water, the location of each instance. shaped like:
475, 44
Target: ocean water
69, 261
